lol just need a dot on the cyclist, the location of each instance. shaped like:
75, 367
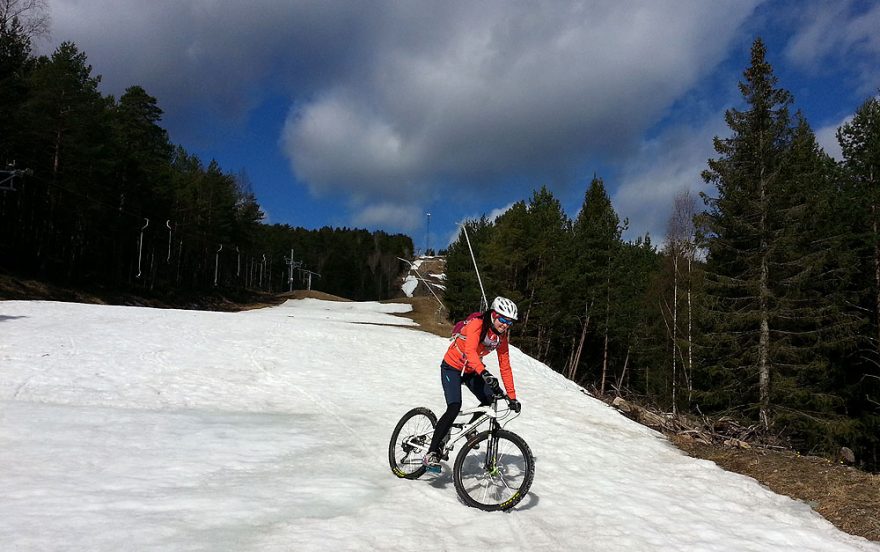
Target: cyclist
463, 365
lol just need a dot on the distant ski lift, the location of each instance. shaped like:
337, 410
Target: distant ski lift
307, 275
7, 177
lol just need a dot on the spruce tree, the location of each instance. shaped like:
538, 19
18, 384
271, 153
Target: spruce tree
525, 248
15, 66
744, 221
860, 145
596, 244
809, 266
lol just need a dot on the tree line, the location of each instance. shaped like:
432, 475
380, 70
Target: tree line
94, 192
762, 303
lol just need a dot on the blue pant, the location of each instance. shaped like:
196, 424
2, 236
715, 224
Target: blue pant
452, 380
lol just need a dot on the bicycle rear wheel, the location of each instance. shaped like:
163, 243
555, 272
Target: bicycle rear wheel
494, 472
410, 441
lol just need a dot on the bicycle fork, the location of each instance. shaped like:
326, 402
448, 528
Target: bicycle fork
491, 464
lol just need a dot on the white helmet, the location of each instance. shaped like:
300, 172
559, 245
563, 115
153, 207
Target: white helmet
505, 307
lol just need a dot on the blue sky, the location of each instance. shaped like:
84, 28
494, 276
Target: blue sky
371, 114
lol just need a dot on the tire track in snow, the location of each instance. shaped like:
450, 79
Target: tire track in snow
74, 351
324, 405
22, 386
335, 412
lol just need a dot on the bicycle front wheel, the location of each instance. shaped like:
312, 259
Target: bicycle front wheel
410, 441
494, 472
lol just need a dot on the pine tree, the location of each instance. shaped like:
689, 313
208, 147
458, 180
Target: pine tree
596, 244
743, 220
809, 267
67, 130
519, 258
634, 315
860, 144
15, 67
772, 264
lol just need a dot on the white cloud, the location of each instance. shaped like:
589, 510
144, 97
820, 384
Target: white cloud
210, 55
389, 215
502, 88
827, 139
453, 237
368, 153
664, 167
840, 34
495, 213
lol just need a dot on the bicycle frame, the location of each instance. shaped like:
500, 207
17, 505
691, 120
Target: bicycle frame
490, 413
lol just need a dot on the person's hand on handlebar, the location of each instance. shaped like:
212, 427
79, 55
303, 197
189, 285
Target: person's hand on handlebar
492, 382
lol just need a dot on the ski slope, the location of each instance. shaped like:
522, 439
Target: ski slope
125, 428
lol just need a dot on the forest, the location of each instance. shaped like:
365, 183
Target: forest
93, 193
762, 303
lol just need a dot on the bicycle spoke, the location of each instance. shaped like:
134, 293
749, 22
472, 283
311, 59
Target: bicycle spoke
409, 442
499, 477
485, 492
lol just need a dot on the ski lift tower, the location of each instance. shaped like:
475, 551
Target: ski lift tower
291, 266
7, 177
428, 234
308, 275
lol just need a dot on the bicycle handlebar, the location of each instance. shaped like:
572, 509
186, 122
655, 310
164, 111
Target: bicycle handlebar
509, 410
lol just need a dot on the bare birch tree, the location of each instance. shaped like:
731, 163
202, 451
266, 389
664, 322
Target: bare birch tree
681, 247
31, 16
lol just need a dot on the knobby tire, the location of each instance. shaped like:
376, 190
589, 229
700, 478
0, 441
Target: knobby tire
494, 477
405, 461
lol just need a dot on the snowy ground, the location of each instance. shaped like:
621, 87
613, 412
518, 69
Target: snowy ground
126, 428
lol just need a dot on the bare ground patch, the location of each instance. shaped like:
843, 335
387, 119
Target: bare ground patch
311, 294
23, 289
427, 313
847, 497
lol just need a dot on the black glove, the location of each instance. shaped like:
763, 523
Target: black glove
514, 405
492, 382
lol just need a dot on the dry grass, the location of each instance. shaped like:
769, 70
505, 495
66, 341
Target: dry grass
304, 294
427, 314
845, 496
12, 288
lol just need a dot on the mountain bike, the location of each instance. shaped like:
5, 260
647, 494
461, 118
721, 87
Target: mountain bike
493, 470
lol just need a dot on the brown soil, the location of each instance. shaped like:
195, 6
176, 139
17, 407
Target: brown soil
12, 288
429, 272
427, 313
845, 496
304, 294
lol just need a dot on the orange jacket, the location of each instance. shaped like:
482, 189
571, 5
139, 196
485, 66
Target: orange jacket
466, 353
